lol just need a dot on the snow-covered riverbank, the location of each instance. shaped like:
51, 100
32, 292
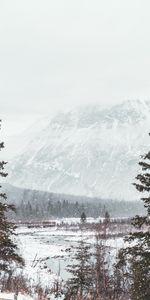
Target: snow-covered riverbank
48, 251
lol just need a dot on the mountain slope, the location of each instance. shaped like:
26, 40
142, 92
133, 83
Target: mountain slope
87, 151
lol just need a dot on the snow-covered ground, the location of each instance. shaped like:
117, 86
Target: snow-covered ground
11, 296
48, 251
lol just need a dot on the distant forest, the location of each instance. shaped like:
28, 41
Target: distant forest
32, 204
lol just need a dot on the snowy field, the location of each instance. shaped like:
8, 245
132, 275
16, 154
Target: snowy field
48, 251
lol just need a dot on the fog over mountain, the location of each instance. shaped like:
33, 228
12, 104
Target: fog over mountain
86, 151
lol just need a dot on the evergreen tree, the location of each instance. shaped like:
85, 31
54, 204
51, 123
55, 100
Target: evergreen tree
101, 270
107, 218
83, 218
81, 271
120, 280
138, 253
8, 249
76, 208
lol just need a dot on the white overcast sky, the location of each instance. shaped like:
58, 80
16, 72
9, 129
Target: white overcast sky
58, 53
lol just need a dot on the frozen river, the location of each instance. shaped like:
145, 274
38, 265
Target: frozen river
48, 251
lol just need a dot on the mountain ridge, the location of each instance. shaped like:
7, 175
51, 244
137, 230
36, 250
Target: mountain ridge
86, 151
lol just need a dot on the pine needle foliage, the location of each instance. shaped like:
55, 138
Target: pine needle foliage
138, 252
8, 249
81, 271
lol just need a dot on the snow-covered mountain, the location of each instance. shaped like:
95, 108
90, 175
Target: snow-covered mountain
86, 151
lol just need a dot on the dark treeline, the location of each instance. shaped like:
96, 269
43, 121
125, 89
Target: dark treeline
63, 208
41, 204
